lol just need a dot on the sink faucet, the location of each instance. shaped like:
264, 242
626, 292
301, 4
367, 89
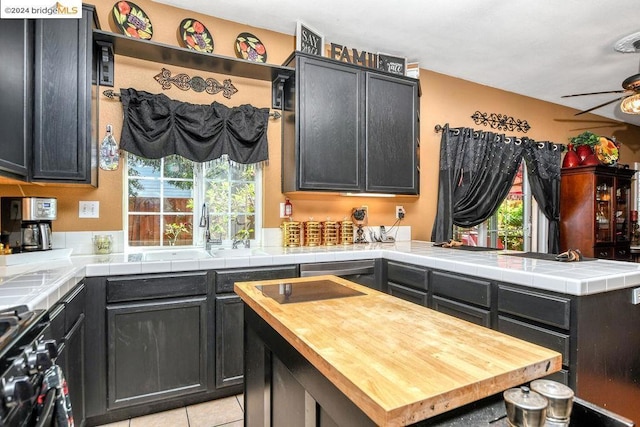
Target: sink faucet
245, 242
205, 222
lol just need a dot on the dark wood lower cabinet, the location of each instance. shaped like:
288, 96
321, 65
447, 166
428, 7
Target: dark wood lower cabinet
156, 350
408, 294
67, 328
229, 345
462, 311
161, 341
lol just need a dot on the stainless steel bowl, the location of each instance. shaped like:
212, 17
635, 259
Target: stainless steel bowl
525, 408
560, 399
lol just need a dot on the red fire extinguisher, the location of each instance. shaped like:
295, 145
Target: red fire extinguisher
288, 208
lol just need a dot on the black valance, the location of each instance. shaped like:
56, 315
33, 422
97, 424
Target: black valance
156, 126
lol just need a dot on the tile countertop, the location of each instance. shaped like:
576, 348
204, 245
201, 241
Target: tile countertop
40, 285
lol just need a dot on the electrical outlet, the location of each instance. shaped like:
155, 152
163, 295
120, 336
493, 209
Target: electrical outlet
635, 296
400, 212
89, 210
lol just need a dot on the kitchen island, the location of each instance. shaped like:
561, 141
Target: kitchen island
326, 351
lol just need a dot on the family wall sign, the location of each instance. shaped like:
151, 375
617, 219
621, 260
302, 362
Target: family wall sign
308, 40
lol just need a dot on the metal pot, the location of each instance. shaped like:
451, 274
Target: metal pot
560, 399
525, 408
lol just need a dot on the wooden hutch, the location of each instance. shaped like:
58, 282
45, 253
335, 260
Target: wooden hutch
595, 204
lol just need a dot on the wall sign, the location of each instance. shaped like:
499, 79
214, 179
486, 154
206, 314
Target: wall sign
392, 64
352, 56
309, 40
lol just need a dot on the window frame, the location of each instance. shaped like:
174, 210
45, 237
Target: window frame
198, 196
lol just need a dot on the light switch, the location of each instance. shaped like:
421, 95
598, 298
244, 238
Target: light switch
89, 209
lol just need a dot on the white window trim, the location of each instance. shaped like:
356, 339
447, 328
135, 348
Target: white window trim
198, 200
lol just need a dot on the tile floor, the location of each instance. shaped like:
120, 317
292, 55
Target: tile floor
226, 412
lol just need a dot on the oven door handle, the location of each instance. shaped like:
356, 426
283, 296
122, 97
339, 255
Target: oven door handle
46, 416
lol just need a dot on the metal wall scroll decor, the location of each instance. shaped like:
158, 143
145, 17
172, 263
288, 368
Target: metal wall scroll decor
198, 84
500, 122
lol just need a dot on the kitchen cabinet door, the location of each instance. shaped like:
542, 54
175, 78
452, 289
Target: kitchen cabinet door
329, 109
391, 135
229, 344
16, 102
64, 141
156, 349
347, 128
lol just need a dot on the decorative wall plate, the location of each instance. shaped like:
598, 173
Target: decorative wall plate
131, 20
606, 151
251, 48
194, 35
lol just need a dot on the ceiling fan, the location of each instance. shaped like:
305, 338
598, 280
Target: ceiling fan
630, 101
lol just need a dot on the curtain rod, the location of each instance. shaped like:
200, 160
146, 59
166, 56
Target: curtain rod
439, 128
112, 94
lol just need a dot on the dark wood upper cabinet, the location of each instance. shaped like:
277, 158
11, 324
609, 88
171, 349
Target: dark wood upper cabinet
16, 102
595, 202
349, 129
391, 135
65, 102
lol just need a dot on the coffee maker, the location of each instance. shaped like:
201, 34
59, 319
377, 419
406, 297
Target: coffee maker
26, 222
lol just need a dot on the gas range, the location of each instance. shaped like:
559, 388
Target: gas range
25, 354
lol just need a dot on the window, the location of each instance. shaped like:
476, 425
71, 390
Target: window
507, 228
165, 199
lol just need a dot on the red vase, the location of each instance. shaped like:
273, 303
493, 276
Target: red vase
583, 151
571, 159
590, 160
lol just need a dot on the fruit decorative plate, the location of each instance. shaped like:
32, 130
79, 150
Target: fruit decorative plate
250, 47
131, 20
606, 151
194, 35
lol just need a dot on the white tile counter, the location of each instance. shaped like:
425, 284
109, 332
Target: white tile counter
40, 285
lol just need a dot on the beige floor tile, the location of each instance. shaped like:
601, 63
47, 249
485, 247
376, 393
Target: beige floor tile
173, 418
124, 423
239, 423
240, 398
215, 413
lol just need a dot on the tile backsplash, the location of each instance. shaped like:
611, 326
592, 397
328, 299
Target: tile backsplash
82, 241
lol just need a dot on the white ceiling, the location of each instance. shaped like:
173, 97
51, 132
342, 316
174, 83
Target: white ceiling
540, 48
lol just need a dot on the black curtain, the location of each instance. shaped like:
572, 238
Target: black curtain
156, 126
543, 171
476, 173
477, 170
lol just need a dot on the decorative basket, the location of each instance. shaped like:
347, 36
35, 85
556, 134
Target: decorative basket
330, 233
345, 235
291, 234
312, 233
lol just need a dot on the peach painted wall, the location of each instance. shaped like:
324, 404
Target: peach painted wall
444, 99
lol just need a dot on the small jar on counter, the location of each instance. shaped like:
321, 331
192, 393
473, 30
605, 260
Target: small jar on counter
102, 244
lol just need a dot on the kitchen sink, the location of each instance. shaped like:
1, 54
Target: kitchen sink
175, 254
239, 252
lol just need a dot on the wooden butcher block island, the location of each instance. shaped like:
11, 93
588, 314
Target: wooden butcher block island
326, 351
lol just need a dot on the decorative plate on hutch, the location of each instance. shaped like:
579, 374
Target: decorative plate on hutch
194, 35
250, 47
606, 150
131, 20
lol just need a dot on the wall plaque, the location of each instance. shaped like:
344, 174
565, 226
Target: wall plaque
392, 64
309, 40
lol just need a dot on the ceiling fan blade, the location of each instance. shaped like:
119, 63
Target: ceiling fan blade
601, 105
594, 93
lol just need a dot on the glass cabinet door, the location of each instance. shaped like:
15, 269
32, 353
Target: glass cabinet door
604, 208
623, 201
